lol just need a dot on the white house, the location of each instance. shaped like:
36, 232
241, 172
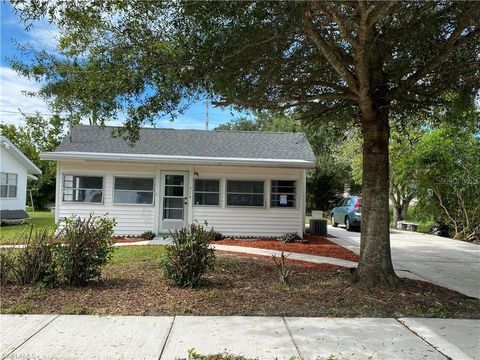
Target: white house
241, 183
15, 169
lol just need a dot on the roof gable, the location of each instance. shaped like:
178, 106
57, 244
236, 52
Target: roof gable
10, 147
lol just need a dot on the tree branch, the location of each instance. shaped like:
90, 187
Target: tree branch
286, 101
331, 54
377, 12
332, 15
454, 42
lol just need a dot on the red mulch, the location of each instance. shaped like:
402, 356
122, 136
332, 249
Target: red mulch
317, 245
287, 261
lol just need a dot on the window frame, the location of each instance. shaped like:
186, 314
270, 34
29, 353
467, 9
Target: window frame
295, 194
73, 188
208, 192
8, 186
226, 192
134, 177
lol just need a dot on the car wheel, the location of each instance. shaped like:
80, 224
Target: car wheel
348, 226
334, 224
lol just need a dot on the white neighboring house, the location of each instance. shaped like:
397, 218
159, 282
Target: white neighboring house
241, 183
15, 168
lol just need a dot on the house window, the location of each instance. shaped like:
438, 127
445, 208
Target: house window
8, 185
130, 190
245, 193
283, 193
207, 192
87, 189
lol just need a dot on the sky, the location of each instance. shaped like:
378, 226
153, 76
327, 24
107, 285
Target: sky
44, 36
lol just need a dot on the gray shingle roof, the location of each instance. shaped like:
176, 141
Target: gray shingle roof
198, 143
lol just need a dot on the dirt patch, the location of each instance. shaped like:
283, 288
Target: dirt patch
133, 284
317, 245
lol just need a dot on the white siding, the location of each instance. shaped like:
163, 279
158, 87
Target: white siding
11, 165
252, 221
241, 221
131, 219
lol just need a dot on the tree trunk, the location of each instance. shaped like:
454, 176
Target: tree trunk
400, 211
396, 214
405, 205
375, 267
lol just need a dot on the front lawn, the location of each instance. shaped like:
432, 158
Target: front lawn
132, 284
40, 219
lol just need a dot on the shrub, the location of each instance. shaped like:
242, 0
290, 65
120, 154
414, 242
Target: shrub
32, 263
189, 257
283, 273
7, 262
148, 235
290, 238
87, 248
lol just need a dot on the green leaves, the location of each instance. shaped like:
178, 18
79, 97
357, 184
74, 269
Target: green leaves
143, 59
447, 173
37, 135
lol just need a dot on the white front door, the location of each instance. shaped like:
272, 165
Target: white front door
174, 200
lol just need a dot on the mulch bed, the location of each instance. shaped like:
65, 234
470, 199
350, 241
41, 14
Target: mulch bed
287, 261
128, 239
317, 245
238, 286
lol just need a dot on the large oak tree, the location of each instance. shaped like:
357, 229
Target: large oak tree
363, 60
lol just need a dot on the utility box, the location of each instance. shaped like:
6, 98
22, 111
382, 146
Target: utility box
318, 227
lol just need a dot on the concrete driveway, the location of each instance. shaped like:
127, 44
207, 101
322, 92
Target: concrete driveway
446, 262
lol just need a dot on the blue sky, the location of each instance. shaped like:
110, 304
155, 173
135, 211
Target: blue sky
44, 36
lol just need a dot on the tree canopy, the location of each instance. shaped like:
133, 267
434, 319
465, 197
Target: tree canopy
356, 60
37, 135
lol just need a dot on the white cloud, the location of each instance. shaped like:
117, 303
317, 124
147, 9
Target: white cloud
44, 36
12, 97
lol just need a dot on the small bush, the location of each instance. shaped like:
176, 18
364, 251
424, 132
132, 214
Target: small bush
189, 257
34, 263
291, 238
31, 263
7, 263
283, 273
148, 235
87, 248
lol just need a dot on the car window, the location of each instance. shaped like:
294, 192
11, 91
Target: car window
348, 202
340, 203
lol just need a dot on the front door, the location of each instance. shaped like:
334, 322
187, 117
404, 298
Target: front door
174, 202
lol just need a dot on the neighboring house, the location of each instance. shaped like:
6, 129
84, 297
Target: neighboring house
15, 169
241, 183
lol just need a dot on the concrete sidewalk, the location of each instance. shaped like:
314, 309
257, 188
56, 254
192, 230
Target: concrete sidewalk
135, 337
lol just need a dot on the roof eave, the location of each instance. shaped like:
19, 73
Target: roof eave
20, 156
178, 159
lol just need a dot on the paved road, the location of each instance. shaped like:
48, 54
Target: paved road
450, 263
168, 338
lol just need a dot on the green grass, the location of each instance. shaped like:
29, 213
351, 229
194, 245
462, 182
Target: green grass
133, 254
40, 219
423, 225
